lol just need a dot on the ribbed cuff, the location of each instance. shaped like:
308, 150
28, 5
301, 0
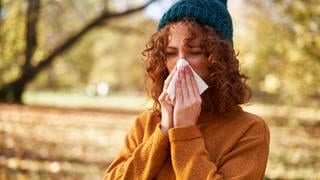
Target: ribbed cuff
184, 133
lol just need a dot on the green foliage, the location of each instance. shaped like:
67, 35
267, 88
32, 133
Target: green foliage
110, 53
118, 54
11, 40
281, 49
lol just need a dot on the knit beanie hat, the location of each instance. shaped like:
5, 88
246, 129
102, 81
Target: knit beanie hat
209, 12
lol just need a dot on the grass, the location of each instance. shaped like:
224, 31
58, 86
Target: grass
76, 143
67, 99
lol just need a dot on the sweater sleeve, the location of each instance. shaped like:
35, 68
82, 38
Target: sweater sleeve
136, 159
191, 160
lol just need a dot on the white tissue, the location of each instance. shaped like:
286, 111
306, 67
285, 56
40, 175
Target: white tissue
202, 86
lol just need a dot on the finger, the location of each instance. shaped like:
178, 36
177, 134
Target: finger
195, 85
191, 86
169, 78
168, 100
164, 99
179, 99
162, 96
197, 94
184, 85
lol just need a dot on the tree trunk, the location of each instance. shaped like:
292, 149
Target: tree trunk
12, 92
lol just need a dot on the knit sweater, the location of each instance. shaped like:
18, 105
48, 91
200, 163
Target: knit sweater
230, 147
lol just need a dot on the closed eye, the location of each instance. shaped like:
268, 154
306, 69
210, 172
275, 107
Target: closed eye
195, 52
170, 53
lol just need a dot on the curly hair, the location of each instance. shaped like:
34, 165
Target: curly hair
227, 87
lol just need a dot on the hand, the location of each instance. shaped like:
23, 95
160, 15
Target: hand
188, 100
166, 106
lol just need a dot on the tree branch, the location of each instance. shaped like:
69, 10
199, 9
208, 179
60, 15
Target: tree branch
105, 16
31, 31
12, 92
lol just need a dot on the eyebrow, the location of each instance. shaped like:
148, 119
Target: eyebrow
170, 47
192, 46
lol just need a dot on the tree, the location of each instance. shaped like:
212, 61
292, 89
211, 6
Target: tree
12, 91
281, 48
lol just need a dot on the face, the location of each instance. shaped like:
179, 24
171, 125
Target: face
191, 51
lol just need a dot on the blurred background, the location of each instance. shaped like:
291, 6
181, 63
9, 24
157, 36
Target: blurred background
72, 82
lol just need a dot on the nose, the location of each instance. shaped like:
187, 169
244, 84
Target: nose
181, 55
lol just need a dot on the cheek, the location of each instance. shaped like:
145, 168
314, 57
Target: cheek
202, 71
170, 65
201, 67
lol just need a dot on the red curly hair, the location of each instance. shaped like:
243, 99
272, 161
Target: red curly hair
227, 87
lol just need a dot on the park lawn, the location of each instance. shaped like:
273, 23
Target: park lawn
77, 140
79, 99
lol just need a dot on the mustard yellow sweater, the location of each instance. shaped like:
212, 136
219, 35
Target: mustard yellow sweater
231, 147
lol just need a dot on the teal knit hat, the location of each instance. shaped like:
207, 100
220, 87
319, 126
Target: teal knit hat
210, 12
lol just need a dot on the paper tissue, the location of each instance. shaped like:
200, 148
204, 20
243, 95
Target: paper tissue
202, 86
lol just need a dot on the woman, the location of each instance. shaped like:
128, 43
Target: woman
196, 136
